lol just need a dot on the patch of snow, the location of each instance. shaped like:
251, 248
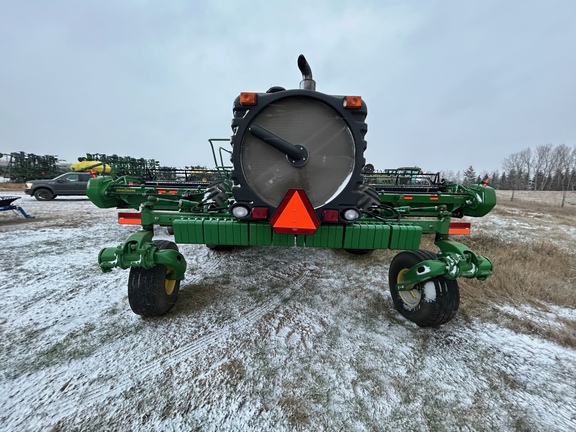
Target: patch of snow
548, 317
261, 339
429, 289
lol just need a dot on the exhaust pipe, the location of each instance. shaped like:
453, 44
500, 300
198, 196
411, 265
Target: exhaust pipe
307, 82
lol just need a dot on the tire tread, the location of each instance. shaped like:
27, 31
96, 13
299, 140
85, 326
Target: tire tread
432, 314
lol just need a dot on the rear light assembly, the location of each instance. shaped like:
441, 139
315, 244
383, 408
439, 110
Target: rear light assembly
330, 215
459, 228
129, 219
260, 213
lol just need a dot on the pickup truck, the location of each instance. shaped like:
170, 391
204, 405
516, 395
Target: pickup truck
70, 183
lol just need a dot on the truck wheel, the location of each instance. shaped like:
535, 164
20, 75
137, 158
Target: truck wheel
431, 303
149, 292
43, 195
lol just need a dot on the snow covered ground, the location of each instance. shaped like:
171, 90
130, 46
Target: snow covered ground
275, 339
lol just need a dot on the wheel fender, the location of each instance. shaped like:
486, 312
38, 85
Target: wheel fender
462, 262
172, 259
421, 272
139, 251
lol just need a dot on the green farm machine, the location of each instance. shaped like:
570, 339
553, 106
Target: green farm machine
298, 178
23, 166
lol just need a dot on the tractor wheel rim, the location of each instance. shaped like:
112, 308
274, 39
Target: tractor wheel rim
169, 284
410, 298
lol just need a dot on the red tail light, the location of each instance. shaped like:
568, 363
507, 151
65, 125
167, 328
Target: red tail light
260, 212
330, 215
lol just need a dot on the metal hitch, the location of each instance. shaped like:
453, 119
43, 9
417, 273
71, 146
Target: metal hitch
454, 260
139, 251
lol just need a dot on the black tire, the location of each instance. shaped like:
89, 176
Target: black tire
149, 292
44, 195
431, 303
219, 247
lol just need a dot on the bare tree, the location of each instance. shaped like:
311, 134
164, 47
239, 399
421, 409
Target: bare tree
549, 166
566, 162
514, 165
540, 164
573, 168
451, 176
525, 157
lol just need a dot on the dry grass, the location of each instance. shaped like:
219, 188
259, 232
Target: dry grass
533, 275
12, 186
534, 278
538, 206
550, 199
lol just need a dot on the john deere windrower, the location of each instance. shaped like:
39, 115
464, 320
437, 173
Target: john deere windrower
298, 178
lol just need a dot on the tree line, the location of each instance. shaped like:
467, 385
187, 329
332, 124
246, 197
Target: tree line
543, 168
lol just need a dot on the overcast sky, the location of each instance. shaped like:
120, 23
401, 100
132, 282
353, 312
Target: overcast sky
448, 84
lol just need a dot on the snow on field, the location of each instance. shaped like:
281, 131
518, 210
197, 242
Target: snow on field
261, 339
528, 224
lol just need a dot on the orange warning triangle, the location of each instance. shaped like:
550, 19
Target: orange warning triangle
295, 215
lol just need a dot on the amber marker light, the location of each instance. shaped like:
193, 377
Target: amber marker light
129, 219
459, 228
248, 98
352, 102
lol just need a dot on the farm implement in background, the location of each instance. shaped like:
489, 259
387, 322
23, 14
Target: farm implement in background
75, 182
6, 204
22, 166
298, 178
144, 170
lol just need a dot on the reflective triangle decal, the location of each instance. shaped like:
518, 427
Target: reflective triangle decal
295, 215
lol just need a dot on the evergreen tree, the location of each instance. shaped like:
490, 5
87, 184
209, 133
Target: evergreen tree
495, 180
504, 182
469, 176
